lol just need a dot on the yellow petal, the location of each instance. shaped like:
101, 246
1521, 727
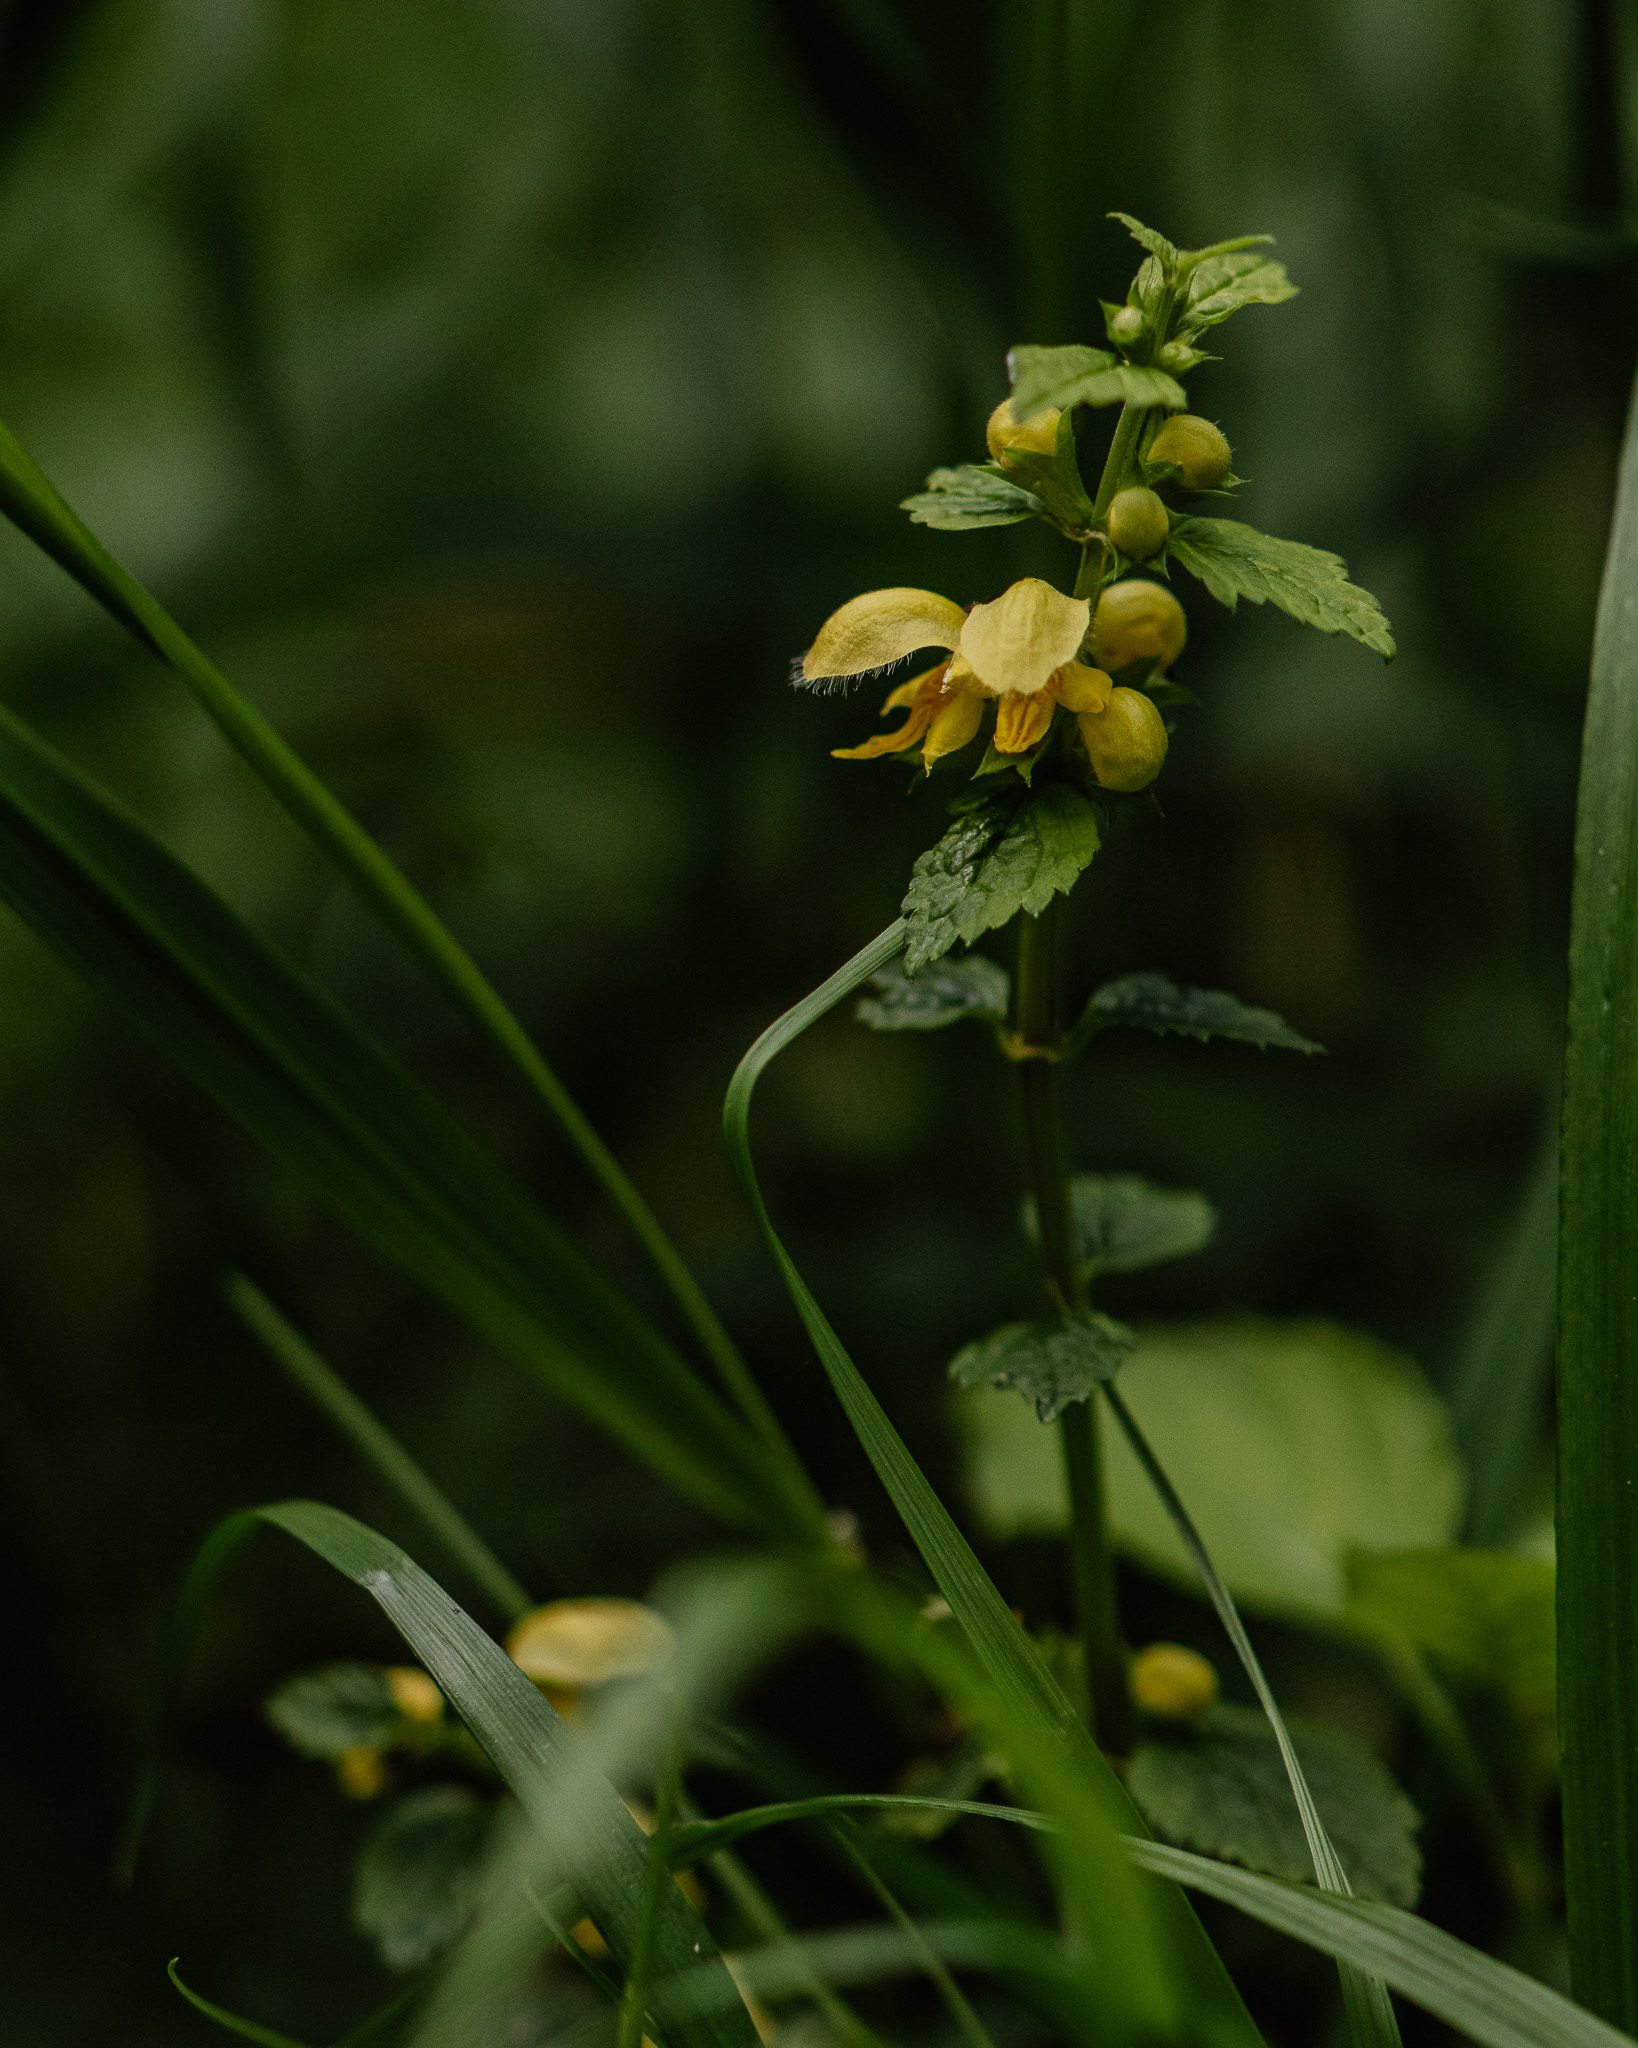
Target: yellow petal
953, 726
1079, 688
1015, 643
588, 1642
1021, 721
878, 629
1126, 743
905, 694
921, 717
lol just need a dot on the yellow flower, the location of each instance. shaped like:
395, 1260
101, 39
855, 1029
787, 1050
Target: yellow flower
414, 1694
1172, 1683
1020, 649
569, 1645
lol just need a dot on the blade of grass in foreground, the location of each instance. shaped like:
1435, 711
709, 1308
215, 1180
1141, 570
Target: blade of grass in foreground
578, 1816
1598, 1313
29, 499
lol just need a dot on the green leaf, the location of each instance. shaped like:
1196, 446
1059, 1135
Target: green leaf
1056, 478
1222, 1789
1234, 561
1164, 252
419, 1873
1294, 1444
980, 875
1597, 1378
1483, 1614
1078, 375
1126, 1225
956, 500
285, 1060
1050, 1364
1154, 1002
942, 993
229, 2022
1221, 285
336, 1708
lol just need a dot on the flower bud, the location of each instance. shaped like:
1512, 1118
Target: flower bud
1137, 620
1172, 1683
1137, 522
362, 1773
1178, 357
414, 1694
575, 1643
1126, 743
1125, 326
1198, 448
1038, 435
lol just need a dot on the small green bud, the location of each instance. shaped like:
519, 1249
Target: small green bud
1137, 523
1178, 357
1198, 448
1172, 1683
1125, 326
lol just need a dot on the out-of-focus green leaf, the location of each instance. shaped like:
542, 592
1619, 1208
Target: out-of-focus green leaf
1483, 1614
1310, 584
1222, 1788
1154, 1002
1126, 1225
1078, 375
1050, 1364
419, 1873
293, 1068
956, 500
980, 877
325, 1713
1295, 1444
942, 993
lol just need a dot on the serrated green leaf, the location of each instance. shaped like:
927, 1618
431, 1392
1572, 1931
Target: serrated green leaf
339, 1707
941, 994
1483, 1614
1078, 375
1150, 238
1126, 1225
1046, 843
1222, 1789
1310, 584
1154, 1002
1223, 284
957, 500
419, 1873
1050, 1364
1295, 1445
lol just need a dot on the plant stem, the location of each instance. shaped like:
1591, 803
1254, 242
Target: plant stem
1035, 1021
1127, 429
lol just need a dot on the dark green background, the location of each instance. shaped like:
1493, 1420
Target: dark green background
503, 391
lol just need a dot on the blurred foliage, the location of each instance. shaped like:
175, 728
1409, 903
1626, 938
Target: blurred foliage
503, 390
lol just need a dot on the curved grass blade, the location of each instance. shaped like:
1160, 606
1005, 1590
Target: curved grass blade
1370, 2010
230, 2022
303, 1078
30, 500
690, 1841
584, 1835
1045, 1739
377, 1446
1598, 1313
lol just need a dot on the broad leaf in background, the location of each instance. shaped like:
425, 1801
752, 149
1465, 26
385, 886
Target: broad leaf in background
1154, 1002
992, 864
957, 500
1126, 1225
1234, 561
1221, 1788
1485, 1615
1050, 1364
942, 993
1295, 1444
420, 1872
325, 1713
1077, 375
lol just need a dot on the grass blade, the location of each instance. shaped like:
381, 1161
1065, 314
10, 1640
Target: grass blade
377, 1446
230, 2022
294, 1069
29, 499
692, 1840
1598, 1313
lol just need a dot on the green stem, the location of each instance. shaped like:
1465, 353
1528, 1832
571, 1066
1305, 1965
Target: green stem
29, 499
970, 2027
656, 1876
1035, 1020
1127, 429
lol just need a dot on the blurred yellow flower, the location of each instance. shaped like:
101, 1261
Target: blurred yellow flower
568, 1645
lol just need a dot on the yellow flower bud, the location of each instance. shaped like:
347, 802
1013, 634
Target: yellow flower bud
1198, 448
1126, 743
1137, 620
1172, 1683
414, 1694
362, 1773
1038, 435
1137, 522
575, 1643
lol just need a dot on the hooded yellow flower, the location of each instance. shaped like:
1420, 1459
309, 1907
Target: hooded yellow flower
1020, 650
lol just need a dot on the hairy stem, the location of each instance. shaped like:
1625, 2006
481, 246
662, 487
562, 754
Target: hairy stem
1035, 1021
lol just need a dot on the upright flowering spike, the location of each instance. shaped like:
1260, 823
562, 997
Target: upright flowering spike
878, 629
1015, 644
